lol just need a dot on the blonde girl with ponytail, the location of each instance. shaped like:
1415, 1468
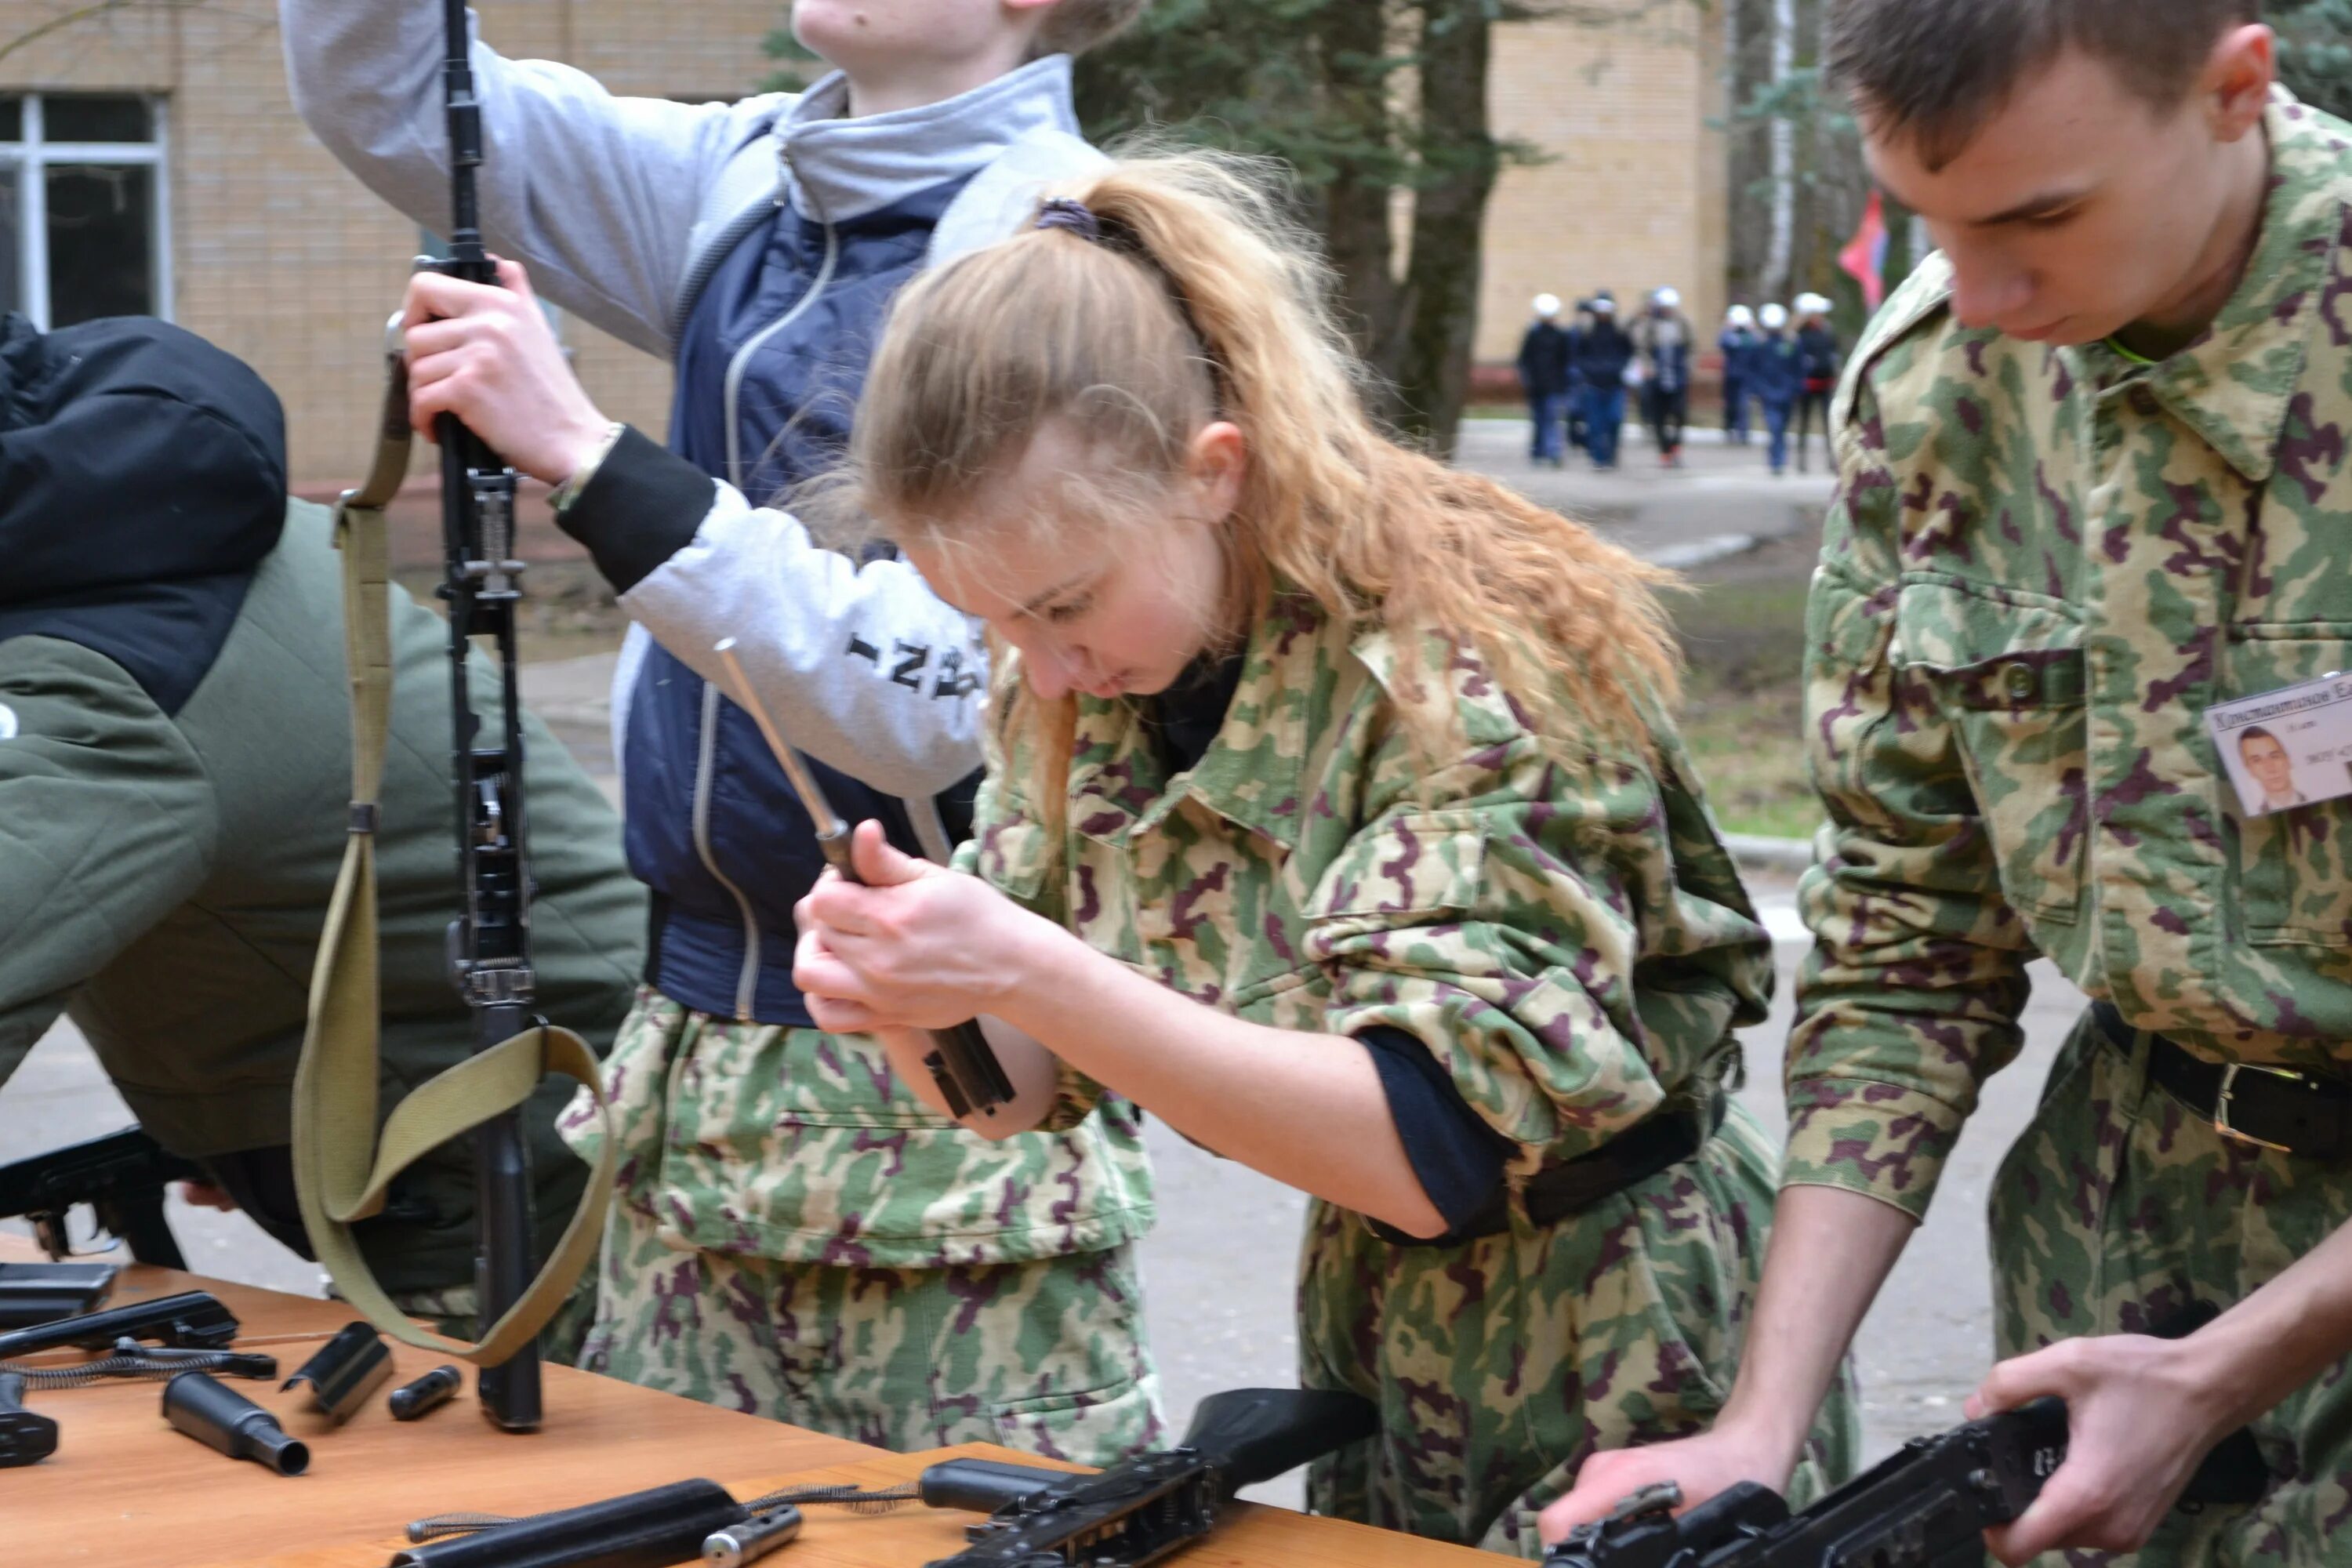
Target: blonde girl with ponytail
1335, 815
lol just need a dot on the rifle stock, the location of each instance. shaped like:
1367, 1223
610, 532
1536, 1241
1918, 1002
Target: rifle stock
1252, 1434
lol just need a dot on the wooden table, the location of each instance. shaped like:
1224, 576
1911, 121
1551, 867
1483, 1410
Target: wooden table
1257, 1536
126, 1490
123, 1488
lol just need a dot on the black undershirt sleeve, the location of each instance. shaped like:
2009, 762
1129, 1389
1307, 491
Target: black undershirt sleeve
1458, 1157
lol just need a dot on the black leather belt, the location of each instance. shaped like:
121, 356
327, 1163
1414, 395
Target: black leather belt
2297, 1113
1644, 1150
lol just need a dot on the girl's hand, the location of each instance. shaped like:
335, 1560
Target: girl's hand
917, 947
487, 356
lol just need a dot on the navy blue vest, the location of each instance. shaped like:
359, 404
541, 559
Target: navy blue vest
712, 825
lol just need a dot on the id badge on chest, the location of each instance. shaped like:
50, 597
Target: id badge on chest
2288, 748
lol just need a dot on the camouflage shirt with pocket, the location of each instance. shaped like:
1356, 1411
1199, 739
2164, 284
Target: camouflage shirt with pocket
1556, 920
2043, 565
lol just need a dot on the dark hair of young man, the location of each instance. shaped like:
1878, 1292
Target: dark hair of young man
1935, 71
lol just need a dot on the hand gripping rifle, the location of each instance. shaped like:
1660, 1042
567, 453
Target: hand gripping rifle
341, 1172
1927, 1506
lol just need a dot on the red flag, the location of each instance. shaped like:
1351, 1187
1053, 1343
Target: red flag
1864, 256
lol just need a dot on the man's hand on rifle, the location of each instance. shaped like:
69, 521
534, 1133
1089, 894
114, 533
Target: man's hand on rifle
2141, 1414
487, 355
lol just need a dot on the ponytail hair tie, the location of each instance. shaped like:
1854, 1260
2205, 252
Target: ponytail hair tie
1071, 213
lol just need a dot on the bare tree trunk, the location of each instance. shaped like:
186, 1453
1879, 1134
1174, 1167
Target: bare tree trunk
1750, 150
1354, 42
1777, 258
1441, 290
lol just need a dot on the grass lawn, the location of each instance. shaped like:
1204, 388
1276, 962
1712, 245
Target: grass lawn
1742, 711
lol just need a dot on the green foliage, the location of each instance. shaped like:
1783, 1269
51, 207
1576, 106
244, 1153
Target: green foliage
2315, 50
1311, 82
798, 66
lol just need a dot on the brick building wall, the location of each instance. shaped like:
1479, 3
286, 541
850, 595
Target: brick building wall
1633, 191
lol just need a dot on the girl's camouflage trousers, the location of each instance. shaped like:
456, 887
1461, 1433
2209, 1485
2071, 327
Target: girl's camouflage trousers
2118, 1210
1502, 1364
786, 1242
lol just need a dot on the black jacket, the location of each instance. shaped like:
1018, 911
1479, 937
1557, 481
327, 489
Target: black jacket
176, 749
1547, 360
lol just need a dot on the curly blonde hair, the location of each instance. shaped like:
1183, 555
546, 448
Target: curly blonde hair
1203, 300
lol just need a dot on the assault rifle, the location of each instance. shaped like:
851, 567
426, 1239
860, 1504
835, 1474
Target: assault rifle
1927, 1506
489, 945
1141, 1511
121, 1177
345, 1155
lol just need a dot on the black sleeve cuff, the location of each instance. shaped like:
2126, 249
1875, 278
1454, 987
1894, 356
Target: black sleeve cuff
642, 506
1458, 1157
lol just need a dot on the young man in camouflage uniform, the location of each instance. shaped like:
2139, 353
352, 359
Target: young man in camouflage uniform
2092, 484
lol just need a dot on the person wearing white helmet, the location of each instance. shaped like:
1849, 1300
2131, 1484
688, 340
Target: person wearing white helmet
1775, 379
1737, 344
1663, 339
1822, 358
1547, 360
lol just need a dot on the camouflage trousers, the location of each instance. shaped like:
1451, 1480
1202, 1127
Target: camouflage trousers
2116, 1210
795, 1235
1046, 1357
1501, 1365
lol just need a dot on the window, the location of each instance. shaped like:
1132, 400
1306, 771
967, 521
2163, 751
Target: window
82, 230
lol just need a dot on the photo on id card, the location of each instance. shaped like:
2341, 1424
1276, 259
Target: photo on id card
2287, 748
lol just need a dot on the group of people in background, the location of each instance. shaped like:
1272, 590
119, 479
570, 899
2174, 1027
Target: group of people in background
1577, 374
1786, 362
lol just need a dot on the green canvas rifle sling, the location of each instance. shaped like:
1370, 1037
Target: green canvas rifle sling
341, 1169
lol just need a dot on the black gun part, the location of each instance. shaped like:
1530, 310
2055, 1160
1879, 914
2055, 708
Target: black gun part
490, 940
422, 1396
219, 1417
1927, 1506
134, 1362
121, 1176
755, 1538
653, 1528
26, 1438
192, 1319
345, 1371
1143, 1509
32, 1293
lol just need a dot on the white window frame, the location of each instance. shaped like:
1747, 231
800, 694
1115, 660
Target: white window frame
31, 157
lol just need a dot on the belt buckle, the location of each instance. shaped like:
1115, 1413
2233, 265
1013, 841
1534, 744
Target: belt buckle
2230, 1072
